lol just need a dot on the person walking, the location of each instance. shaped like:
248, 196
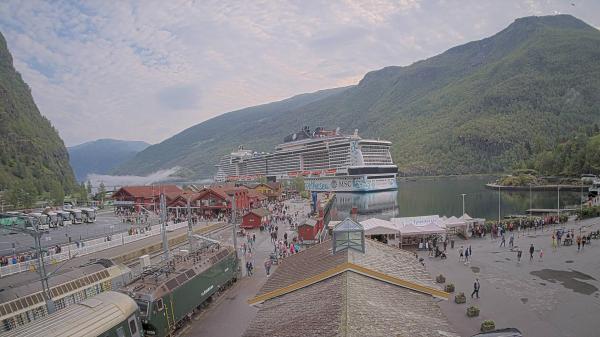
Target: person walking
578, 242
541, 255
268, 264
470, 252
503, 242
511, 241
519, 254
476, 287
460, 254
583, 240
466, 256
531, 250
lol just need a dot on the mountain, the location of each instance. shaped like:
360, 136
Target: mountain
33, 158
479, 107
102, 155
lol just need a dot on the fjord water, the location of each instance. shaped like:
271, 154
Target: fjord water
442, 195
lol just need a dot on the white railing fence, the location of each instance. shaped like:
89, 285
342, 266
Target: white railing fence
86, 247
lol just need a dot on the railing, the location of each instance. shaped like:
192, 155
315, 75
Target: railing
87, 247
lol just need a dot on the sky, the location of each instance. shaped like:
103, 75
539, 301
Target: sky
146, 70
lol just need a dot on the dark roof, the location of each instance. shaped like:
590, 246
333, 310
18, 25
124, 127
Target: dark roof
150, 191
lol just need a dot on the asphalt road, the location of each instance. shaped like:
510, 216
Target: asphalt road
106, 223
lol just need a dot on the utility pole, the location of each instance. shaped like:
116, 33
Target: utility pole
36, 233
463, 199
163, 227
189, 216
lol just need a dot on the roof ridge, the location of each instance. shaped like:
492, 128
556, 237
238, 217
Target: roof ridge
344, 267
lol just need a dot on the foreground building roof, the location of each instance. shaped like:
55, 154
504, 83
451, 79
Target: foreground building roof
381, 292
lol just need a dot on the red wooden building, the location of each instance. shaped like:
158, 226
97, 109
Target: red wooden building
308, 230
255, 218
214, 200
148, 197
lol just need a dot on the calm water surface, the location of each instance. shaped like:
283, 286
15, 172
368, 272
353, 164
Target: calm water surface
428, 196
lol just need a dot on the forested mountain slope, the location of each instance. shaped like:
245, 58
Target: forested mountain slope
479, 107
33, 158
102, 155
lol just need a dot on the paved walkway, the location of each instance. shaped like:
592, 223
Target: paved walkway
554, 296
230, 314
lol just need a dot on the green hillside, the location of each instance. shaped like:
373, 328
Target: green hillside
33, 158
480, 107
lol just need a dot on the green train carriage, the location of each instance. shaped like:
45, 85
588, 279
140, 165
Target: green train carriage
168, 296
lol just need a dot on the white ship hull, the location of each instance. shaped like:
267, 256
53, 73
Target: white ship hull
362, 183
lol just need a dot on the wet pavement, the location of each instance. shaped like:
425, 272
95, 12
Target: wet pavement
554, 295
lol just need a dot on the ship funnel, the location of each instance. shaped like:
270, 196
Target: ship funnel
355, 132
337, 130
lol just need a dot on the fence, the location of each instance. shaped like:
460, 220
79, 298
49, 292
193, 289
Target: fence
86, 247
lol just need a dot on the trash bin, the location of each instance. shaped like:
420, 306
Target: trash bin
452, 244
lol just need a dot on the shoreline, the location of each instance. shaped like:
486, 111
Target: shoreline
537, 187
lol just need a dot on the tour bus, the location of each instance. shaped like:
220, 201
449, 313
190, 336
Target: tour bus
89, 215
42, 219
65, 217
76, 217
53, 219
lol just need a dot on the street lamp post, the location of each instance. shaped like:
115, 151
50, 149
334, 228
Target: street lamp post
530, 202
498, 204
558, 209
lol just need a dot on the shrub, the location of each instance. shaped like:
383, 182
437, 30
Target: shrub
488, 325
472, 311
460, 298
440, 279
449, 288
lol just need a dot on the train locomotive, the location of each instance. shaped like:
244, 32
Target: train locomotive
167, 295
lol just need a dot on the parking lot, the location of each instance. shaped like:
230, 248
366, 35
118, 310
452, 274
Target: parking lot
105, 224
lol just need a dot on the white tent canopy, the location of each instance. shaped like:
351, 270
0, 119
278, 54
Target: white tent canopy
418, 221
374, 226
409, 229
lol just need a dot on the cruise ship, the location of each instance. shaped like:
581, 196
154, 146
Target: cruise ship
327, 160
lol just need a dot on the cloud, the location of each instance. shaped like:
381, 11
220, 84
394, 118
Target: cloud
179, 97
153, 178
147, 70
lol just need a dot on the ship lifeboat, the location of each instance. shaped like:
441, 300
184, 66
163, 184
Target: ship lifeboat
316, 173
305, 173
232, 178
292, 174
330, 171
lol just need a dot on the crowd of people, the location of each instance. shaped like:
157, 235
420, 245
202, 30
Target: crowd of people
284, 243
